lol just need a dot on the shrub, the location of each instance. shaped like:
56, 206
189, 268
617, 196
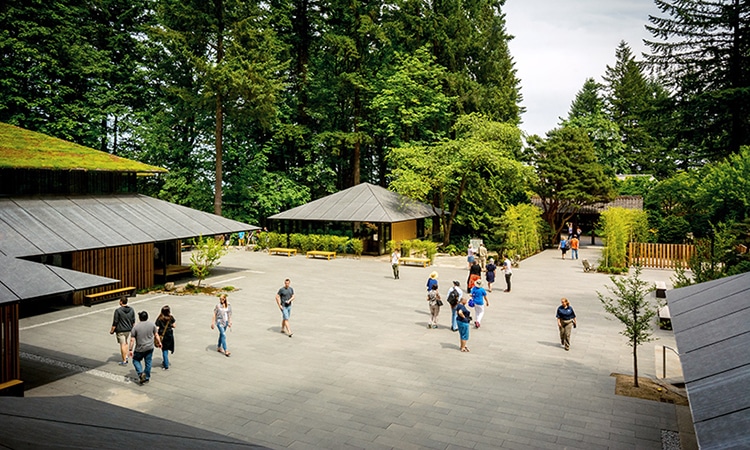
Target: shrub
619, 227
523, 230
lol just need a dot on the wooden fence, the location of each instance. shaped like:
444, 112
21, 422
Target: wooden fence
660, 256
133, 265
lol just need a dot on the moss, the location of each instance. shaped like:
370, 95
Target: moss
24, 149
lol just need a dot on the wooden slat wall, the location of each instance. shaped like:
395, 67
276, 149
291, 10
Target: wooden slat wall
9, 343
660, 256
133, 265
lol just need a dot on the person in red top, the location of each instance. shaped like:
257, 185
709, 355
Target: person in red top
574, 247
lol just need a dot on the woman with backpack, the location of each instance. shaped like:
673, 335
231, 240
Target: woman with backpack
433, 299
454, 296
563, 246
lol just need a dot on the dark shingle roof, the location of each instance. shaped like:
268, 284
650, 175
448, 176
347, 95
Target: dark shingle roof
712, 328
59, 224
364, 202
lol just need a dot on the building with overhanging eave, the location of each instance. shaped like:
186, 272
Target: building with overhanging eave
72, 223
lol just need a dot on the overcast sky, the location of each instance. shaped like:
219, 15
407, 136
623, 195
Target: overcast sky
560, 43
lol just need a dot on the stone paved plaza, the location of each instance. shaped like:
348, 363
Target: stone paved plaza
363, 370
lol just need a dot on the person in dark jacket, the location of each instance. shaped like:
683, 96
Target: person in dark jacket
165, 325
122, 323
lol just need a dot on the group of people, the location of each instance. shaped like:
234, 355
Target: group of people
137, 341
571, 242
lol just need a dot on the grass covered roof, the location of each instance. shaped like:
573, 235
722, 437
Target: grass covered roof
24, 149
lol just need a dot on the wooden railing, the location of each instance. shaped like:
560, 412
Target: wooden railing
660, 256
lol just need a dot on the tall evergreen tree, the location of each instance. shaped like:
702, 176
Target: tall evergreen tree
703, 51
630, 97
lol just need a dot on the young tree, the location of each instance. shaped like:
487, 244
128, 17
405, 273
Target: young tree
206, 256
631, 307
569, 175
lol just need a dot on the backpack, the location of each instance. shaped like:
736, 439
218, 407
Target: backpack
453, 298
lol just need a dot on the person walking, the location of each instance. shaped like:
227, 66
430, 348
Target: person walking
475, 273
574, 242
563, 246
463, 317
470, 255
435, 302
479, 298
122, 323
284, 298
507, 271
432, 281
566, 321
395, 259
454, 296
222, 319
165, 325
143, 338
482, 256
490, 274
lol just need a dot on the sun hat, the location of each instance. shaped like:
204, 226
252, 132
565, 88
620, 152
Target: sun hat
433, 275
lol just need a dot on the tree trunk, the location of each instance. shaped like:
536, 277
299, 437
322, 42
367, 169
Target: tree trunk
635, 351
219, 109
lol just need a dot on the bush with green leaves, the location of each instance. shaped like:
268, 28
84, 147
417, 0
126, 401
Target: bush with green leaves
620, 226
521, 228
205, 256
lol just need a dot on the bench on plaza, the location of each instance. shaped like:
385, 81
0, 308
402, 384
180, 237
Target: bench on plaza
91, 299
11, 388
661, 289
424, 262
280, 250
324, 254
664, 318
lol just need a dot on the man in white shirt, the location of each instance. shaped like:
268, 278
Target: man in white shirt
508, 271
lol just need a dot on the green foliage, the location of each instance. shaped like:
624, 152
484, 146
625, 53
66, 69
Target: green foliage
723, 192
636, 185
569, 175
619, 227
521, 229
205, 256
479, 163
452, 250
310, 242
417, 248
673, 230
700, 49
629, 305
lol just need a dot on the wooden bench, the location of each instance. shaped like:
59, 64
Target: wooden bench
11, 388
326, 255
423, 261
90, 299
661, 289
280, 250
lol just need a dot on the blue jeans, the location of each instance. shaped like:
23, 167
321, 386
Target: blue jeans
573, 253
222, 336
454, 326
165, 358
137, 357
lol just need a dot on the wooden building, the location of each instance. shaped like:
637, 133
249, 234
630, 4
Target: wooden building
73, 223
391, 216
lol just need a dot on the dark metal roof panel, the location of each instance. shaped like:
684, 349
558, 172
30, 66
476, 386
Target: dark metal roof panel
69, 232
99, 230
362, 203
59, 224
31, 229
712, 328
24, 280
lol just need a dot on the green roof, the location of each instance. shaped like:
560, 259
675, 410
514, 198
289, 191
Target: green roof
24, 149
